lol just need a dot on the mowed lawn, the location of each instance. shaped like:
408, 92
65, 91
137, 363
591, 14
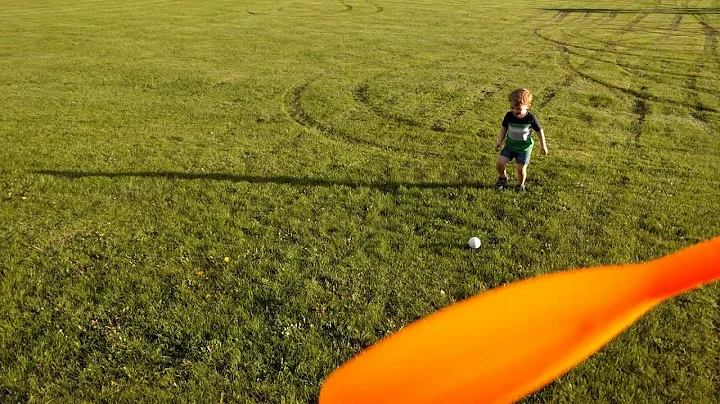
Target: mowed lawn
222, 201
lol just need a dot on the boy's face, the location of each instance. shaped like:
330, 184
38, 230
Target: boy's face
519, 110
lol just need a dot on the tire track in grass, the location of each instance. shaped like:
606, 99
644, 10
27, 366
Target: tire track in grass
648, 72
619, 192
440, 125
643, 70
698, 110
641, 109
708, 54
634, 48
635, 21
534, 15
641, 106
636, 93
675, 22
563, 46
606, 50
710, 46
630, 91
641, 16
545, 99
361, 96
378, 9
275, 8
652, 74
294, 109
347, 6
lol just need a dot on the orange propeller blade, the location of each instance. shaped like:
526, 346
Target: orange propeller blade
501, 345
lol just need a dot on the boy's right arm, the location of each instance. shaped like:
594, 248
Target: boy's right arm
501, 137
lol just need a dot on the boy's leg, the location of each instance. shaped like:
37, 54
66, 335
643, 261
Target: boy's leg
502, 174
523, 160
501, 164
521, 174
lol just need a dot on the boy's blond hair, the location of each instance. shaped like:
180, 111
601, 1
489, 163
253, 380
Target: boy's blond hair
520, 96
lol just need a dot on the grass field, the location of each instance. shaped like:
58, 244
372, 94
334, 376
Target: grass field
222, 201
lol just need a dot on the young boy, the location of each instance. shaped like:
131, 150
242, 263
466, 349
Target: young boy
515, 131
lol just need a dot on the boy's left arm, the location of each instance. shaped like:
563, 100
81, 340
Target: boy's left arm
543, 143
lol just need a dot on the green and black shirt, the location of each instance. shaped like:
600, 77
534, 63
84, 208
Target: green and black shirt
518, 131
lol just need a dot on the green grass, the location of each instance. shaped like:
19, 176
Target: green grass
340, 154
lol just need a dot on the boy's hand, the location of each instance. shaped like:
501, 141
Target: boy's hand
498, 146
543, 144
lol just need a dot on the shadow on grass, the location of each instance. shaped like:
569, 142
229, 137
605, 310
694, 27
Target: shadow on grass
670, 10
282, 179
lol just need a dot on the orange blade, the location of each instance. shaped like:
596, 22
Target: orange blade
501, 345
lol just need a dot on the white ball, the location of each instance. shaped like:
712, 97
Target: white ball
474, 242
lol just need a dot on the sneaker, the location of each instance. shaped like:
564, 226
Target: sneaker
501, 183
521, 188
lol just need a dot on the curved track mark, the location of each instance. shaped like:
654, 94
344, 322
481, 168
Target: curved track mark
711, 34
546, 99
533, 15
361, 96
378, 9
439, 125
641, 109
347, 6
298, 114
631, 92
561, 15
602, 51
442, 124
709, 52
642, 96
675, 22
648, 72
635, 21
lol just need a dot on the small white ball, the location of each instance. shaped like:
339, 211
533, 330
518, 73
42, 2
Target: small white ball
474, 242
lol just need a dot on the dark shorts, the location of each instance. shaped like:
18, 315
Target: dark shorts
520, 157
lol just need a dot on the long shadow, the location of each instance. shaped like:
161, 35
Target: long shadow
670, 10
282, 179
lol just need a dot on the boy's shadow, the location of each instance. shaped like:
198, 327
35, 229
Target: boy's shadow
388, 186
